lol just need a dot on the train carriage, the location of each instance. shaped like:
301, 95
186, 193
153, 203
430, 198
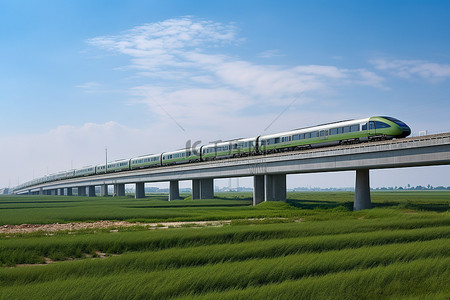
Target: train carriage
85, 171
146, 161
180, 156
233, 148
118, 165
344, 132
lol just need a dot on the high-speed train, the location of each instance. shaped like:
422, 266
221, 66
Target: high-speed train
331, 134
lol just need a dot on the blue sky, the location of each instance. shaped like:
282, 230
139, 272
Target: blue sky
146, 76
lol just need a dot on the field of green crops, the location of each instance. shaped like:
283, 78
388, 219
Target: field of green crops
313, 246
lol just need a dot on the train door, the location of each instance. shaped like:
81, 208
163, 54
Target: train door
372, 129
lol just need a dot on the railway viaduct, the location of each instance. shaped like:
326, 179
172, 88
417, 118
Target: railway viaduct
269, 171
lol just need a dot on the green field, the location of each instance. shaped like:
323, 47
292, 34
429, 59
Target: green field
313, 246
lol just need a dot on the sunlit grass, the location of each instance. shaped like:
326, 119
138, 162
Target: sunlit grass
313, 246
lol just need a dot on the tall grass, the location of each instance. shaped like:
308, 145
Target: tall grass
337, 234
421, 279
291, 254
348, 269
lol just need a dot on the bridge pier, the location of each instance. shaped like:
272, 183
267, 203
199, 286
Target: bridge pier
82, 191
119, 189
140, 190
207, 188
195, 189
61, 192
362, 190
258, 189
41, 191
69, 191
91, 191
104, 190
174, 190
275, 187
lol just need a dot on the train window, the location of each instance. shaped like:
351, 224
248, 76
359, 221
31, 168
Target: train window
379, 125
340, 130
354, 128
295, 137
333, 131
346, 129
364, 126
277, 140
307, 135
398, 122
314, 134
323, 133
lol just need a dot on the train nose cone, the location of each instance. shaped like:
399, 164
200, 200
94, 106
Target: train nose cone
406, 131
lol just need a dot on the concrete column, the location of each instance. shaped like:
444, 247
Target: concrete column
174, 190
104, 190
195, 189
69, 191
82, 191
207, 188
258, 189
268, 188
61, 192
362, 190
91, 191
54, 192
140, 190
41, 191
279, 187
275, 187
119, 189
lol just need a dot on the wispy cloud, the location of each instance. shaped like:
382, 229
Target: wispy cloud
414, 68
270, 53
188, 76
89, 87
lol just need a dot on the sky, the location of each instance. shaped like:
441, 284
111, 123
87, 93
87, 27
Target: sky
139, 77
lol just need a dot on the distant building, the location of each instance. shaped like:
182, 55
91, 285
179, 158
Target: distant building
4, 191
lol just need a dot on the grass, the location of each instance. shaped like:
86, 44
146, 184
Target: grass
156, 208
313, 246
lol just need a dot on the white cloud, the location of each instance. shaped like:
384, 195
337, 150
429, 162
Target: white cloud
270, 53
90, 87
184, 76
410, 68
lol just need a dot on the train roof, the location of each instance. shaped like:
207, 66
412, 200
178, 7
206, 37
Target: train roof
318, 127
147, 155
230, 141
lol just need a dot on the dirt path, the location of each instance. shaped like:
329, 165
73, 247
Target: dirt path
112, 225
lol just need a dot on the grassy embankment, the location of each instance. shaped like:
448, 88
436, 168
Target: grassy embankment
399, 249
